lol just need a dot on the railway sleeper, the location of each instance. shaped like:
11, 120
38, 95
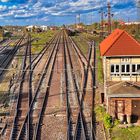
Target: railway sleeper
88, 131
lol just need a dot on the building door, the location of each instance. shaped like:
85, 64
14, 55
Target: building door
135, 111
120, 109
120, 106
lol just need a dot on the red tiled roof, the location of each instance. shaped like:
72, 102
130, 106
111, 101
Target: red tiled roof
119, 43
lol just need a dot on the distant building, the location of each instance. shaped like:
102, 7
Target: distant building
79, 26
31, 28
121, 22
44, 28
7, 33
14, 28
121, 67
132, 23
53, 28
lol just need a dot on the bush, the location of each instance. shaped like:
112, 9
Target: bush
116, 122
107, 121
100, 111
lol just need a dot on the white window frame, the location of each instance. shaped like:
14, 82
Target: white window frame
125, 73
115, 73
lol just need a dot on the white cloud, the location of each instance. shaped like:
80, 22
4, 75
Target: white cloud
6, 14
44, 19
14, 7
38, 4
3, 8
42, 9
4, 0
26, 15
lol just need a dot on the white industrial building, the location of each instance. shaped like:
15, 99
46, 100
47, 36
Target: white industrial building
132, 23
42, 28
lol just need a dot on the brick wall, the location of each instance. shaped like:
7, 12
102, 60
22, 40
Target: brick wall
112, 106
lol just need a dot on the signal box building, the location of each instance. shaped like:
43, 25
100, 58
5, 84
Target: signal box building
120, 54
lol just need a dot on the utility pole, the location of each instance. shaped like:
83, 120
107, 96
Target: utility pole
128, 20
109, 17
75, 21
102, 22
91, 18
138, 14
78, 18
138, 10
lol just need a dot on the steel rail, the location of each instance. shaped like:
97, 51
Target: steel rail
13, 50
89, 68
31, 67
14, 126
4, 47
66, 91
93, 95
28, 115
80, 120
92, 70
42, 52
10, 55
53, 57
30, 87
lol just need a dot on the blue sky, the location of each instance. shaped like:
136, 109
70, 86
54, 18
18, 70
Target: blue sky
58, 12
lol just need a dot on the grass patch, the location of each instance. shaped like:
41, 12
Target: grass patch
101, 115
82, 44
91, 37
99, 111
12, 44
37, 48
41, 39
131, 133
82, 40
4, 86
99, 66
116, 133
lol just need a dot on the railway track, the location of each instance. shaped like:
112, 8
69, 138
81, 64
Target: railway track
4, 46
80, 123
28, 121
51, 62
4, 63
37, 59
24, 88
90, 74
29, 85
34, 125
6, 43
28, 74
87, 68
